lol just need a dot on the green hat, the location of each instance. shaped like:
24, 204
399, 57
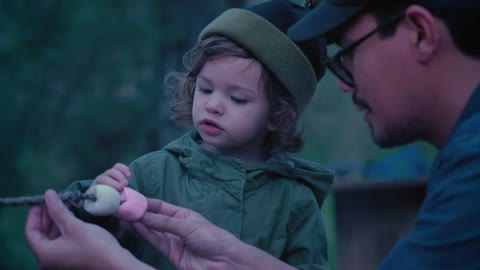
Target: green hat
331, 14
261, 30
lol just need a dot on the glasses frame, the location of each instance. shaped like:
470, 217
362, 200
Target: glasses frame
335, 63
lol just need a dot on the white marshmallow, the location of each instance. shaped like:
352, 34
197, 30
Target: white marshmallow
107, 202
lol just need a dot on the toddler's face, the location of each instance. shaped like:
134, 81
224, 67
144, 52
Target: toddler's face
230, 107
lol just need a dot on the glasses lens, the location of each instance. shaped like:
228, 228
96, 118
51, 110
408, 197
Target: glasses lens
341, 72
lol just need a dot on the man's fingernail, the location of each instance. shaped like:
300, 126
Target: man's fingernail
49, 195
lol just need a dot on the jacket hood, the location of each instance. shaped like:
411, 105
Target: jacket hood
194, 158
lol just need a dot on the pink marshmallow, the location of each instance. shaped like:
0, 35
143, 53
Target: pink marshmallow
133, 207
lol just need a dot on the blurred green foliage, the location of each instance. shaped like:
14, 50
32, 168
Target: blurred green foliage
81, 88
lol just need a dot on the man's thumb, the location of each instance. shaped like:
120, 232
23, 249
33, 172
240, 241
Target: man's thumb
57, 211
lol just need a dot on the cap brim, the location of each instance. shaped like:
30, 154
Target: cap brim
322, 20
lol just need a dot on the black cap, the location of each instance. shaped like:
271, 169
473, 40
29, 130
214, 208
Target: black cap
330, 14
283, 14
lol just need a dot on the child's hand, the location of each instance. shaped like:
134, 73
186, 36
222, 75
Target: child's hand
115, 177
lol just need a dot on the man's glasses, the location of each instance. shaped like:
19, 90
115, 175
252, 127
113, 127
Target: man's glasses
335, 64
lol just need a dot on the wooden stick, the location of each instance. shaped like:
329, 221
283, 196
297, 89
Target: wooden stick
70, 196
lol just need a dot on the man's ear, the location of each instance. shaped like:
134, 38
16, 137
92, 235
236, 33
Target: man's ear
424, 32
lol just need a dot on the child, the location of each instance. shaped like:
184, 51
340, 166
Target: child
244, 88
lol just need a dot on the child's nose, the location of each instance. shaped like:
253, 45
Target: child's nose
214, 105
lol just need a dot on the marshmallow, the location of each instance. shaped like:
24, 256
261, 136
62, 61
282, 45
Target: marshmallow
107, 200
133, 206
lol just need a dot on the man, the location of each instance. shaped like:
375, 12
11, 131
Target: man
413, 68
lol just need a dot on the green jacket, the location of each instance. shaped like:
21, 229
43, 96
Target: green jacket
274, 206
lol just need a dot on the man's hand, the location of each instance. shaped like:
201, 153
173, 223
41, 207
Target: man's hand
190, 241
61, 241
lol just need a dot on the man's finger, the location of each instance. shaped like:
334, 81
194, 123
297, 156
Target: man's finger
161, 207
153, 237
33, 226
153, 205
57, 211
46, 221
161, 223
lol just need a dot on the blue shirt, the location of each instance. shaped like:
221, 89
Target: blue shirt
446, 233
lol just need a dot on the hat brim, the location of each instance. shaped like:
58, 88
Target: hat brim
322, 20
270, 46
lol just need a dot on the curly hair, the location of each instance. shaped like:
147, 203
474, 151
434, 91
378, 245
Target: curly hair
180, 89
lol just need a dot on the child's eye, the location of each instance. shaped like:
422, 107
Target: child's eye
204, 90
238, 100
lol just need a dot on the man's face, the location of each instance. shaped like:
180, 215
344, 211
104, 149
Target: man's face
383, 71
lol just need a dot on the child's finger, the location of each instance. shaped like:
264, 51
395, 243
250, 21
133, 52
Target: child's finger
117, 175
109, 181
123, 168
